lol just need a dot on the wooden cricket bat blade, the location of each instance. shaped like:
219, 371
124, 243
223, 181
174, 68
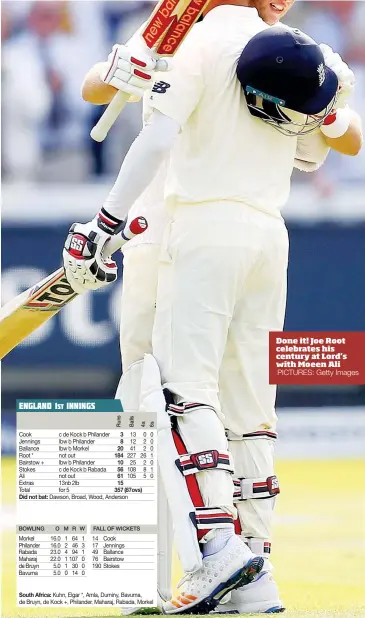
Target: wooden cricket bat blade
21, 316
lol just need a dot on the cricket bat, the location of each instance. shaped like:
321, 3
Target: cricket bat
24, 314
165, 30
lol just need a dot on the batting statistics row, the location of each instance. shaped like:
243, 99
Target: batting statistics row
66, 460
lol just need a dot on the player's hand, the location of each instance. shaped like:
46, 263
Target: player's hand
86, 258
131, 71
345, 76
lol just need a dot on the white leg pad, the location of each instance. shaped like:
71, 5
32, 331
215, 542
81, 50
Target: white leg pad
129, 392
202, 430
153, 400
165, 542
129, 387
254, 462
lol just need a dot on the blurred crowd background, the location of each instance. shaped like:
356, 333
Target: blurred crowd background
54, 174
48, 46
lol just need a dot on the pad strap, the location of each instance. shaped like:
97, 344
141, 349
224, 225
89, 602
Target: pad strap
191, 463
259, 546
271, 435
209, 517
179, 409
248, 489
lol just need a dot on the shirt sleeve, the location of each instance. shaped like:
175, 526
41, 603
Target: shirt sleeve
141, 163
176, 93
312, 151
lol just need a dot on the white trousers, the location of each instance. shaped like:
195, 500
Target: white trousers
140, 276
221, 289
221, 279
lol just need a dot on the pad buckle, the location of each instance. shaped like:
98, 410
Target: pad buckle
191, 463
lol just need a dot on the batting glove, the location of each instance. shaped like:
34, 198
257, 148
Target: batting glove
131, 71
345, 76
86, 260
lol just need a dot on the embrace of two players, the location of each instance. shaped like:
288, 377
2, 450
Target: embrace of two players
244, 102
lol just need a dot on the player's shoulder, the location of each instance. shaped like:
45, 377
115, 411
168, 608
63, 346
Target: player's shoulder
212, 34
201, 41
209, 41
195, 36
192, 48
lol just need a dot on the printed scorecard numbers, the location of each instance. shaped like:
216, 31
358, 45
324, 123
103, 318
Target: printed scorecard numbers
58, 463
53, 550
67, 459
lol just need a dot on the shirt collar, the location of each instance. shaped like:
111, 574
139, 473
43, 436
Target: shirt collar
232, 12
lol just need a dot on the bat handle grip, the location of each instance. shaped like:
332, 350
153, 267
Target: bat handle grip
135, 227
101, 129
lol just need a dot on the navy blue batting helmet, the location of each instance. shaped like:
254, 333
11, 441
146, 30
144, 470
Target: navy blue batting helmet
282, 67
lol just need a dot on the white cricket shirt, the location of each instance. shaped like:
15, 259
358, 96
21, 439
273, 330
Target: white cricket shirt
222, 152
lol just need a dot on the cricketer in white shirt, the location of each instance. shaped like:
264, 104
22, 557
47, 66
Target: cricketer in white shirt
216, 264
219, 253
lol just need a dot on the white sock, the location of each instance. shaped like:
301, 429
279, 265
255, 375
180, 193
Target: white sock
220, 540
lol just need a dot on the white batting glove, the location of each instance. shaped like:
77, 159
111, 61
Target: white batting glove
86, 261
345, 76
131, 71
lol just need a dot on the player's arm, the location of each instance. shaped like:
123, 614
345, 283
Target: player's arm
84, 260
177, 100
342, 130
350, 143
141, 163
313, 148
312, 151
171, 103
94, 90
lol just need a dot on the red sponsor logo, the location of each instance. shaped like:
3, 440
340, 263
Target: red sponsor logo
171, 23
